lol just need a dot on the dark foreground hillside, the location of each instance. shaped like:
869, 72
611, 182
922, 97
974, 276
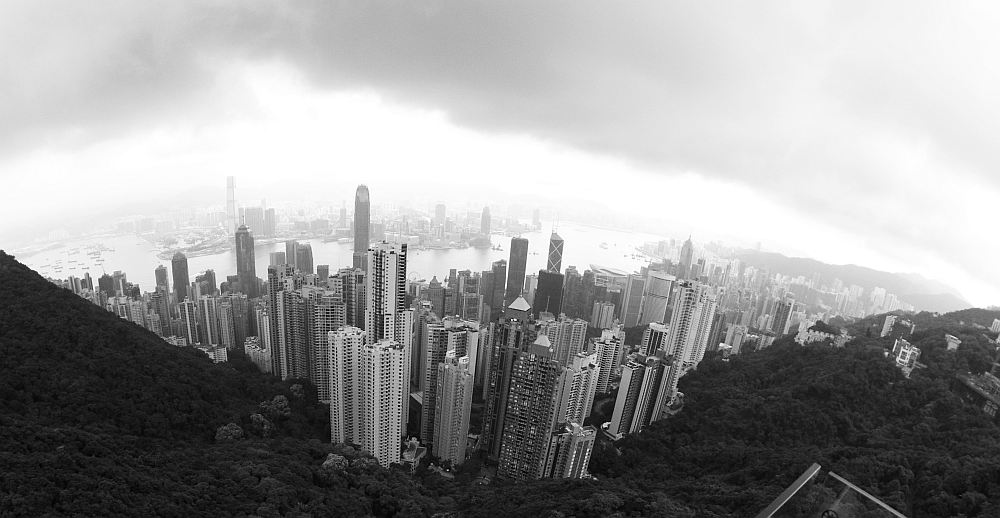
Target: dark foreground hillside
99, 417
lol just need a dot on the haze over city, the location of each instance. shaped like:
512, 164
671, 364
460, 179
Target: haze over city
836, 130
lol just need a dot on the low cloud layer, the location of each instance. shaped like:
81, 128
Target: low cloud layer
873, 118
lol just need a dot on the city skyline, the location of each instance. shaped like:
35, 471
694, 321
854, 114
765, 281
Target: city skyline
818, 146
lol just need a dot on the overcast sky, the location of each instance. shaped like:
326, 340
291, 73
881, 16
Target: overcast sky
847, 131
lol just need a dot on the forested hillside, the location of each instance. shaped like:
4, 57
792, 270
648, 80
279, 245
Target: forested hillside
100, 417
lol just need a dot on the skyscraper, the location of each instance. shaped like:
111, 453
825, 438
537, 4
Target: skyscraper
782, 317
189, 321
548, 295
655, 297
485, 223
510, 337
686, 260
516, 268
499, 287
440, 338
291, 251
276, 258
637, 395
179, 267
270, 223
231, 220
246, 269
440, 215
569, 451
304, 257
362, 223
453, 408
208, 312
369, 392
386, 315
162, 278
533, 411
567, 336
555, 253
609, 351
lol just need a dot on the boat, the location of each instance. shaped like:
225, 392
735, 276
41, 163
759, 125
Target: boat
604, 246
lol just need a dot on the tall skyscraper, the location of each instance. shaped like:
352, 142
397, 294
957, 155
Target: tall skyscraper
631, 306
782, 317
362, 224
179, 267
548, 295
499, 287
386, 315
637, 394
440, 215
369, 393
485, 223
270, 223
326, 312
209, 316
686, 260
231, 220
655, 297
276, 258
162, 278
291, 253
609, 351
516, 268
304, 257
351, 281
533, 411
253, 218
510, 337
554, 263
189, 321
453, 408
246, 269
440, 338
567, 336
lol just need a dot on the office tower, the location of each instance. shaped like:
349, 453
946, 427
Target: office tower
327, 312
654, 338
342, 222
179, 268
453, 408
569, 451
368, 393
484, 223
582, 373
440, 216
631, 307
637, 395
554, 263
536, 218
603, 315
276, 258
270, 223
209, 317
655, 297
510, 337
304, 257
291, 253
578, 293
533, 411
362, 223
189, 321
227, 325
609, 350
230, 205
246, 269
548, 295
782, 317
566, 335
162, 278
516, 268
323, 274
438, 339
686, 260
499, 269
351, 281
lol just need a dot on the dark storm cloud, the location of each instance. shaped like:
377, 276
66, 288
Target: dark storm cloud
822, 106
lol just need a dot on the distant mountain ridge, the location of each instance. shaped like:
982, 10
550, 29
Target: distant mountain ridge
925, 294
